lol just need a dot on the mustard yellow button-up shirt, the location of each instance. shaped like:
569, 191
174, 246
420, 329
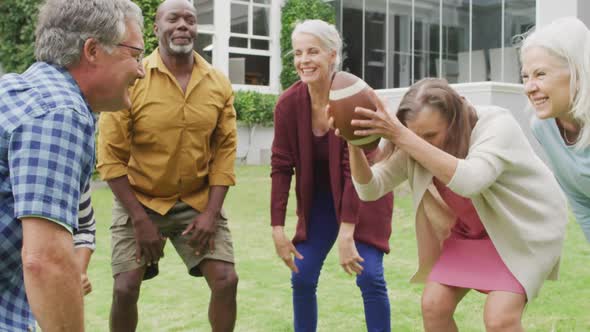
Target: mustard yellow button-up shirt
172, 145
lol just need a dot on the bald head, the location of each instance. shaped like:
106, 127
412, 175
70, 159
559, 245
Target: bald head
174, 5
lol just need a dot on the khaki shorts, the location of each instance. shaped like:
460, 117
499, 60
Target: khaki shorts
171, 226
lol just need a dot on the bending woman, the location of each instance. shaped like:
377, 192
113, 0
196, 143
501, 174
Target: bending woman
556, 77
504, 213
328, 207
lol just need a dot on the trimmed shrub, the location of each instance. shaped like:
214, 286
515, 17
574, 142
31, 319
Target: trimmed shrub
254, 108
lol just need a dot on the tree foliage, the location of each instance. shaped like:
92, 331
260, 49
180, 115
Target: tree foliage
148, 8
293, 12
17, 31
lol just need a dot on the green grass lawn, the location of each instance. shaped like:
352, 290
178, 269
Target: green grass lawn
174, 301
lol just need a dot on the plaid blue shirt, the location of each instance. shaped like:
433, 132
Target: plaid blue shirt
46, 158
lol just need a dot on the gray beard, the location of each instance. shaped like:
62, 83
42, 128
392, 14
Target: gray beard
180, 49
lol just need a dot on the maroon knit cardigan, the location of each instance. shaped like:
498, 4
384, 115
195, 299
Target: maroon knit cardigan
292, 151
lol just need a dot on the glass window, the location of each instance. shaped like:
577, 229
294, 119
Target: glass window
261, 21
259, 44
238, 42
375, 48
400, 43
519, 17
352, 37
426, 40
486, 37
249, 58
239, 18
205, 9
249, 69
204, 41
459, 40
204, 46
337, 4
454, 64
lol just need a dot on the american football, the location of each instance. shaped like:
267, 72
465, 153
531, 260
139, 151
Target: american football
347, 92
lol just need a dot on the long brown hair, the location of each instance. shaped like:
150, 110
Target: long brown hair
458, 113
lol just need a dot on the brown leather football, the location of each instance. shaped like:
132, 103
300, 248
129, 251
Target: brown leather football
346, 93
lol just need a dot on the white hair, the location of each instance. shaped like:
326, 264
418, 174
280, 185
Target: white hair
325, 32
64, 25
568, 39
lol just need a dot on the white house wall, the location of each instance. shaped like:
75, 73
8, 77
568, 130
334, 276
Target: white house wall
549, 10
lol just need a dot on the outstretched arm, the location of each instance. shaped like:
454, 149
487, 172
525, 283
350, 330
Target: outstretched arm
282, 165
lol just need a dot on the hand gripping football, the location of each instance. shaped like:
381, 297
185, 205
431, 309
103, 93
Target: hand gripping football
346, 93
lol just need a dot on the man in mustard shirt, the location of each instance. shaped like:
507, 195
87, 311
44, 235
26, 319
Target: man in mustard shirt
169, 160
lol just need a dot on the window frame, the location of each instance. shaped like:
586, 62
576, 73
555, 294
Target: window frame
250, 36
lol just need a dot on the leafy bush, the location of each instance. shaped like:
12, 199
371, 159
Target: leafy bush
17, 34
148, 8
254, 108
294, 11
17, 31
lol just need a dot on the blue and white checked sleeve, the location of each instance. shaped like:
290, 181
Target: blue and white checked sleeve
48, 163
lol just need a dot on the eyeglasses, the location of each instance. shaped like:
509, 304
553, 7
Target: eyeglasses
141, 50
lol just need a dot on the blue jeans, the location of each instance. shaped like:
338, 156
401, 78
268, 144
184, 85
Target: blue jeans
322, 231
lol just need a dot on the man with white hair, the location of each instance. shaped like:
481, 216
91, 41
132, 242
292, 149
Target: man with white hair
87, 53
169, 160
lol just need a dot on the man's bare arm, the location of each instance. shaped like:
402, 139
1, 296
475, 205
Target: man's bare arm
52, 277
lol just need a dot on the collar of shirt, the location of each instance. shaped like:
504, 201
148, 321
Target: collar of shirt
200, 67
61, 77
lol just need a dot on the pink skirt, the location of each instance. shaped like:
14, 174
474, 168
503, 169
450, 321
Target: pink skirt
475, 264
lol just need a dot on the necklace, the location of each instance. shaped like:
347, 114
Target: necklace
567, 141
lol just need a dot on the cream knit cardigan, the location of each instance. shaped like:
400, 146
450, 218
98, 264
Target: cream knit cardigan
516, 197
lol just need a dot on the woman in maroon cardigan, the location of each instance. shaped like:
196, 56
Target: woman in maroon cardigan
328, 207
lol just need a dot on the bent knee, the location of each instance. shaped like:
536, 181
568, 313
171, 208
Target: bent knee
302, 281
501, 321
369, 280
126, 287
435, 307
225, 283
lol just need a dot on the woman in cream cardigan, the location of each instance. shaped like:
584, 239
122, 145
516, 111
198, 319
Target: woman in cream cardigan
489, 214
